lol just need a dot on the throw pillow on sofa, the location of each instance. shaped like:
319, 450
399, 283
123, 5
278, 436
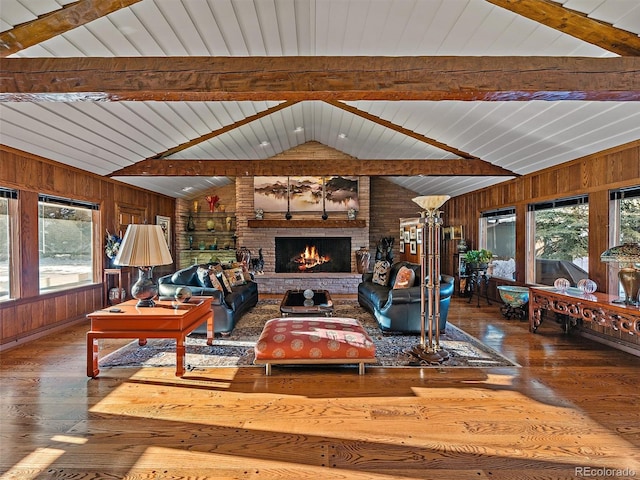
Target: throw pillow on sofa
225, 282
235, 277
215, 281
381, 273
202, 274
404, 278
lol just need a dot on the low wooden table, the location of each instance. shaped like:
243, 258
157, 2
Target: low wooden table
168, 319
294, 303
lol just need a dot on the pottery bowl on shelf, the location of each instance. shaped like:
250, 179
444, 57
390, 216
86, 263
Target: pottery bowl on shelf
514, 296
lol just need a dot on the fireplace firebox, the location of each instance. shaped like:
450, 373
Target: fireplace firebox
313, 254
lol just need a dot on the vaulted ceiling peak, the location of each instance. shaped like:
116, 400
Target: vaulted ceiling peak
312, 150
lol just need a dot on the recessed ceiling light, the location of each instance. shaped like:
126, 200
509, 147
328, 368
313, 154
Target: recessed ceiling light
298, 130
264, 143
186, 189
342, 135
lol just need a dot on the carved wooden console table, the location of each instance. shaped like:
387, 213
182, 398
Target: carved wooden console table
596, 308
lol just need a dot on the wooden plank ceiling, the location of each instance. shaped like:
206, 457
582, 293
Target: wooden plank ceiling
438, 96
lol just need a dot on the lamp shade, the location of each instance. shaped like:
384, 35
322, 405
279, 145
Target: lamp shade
625, 253
431, 202
143, 246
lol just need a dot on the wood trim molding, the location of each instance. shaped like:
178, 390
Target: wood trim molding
56, 23
577, 24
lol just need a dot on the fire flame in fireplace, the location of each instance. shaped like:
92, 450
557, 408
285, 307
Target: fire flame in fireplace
310, 258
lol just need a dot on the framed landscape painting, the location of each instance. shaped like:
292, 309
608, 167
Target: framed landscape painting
341, 193
271, 193
306, 194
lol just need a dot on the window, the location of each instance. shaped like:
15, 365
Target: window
498, 235
626, 215
625, 222
559, 241
65, 243
6, 196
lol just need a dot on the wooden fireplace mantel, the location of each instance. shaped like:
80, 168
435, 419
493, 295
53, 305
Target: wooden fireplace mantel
306, 223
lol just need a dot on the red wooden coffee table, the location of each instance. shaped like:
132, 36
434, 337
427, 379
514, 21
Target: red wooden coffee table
167, 319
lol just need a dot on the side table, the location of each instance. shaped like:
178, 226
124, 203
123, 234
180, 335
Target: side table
119, 278
479, 285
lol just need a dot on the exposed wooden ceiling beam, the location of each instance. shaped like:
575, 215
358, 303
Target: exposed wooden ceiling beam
55, 23
225, 129
320, 78
274, 167
399, 129
576, 24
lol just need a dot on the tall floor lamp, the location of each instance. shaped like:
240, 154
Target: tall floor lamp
430, 223
144, 246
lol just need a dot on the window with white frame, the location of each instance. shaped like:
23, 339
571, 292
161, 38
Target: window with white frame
6, 196
65, 243
559, 241
498, 235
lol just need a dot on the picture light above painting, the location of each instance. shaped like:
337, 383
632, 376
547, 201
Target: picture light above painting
306, 194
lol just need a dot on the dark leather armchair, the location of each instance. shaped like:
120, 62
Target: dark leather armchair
398, 310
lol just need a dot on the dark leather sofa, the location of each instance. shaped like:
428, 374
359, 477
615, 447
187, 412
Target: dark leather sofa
227, 308
399, 310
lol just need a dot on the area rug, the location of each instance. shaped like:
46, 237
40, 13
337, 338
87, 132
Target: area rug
236, 349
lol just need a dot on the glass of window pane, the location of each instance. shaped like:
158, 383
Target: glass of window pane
65, 245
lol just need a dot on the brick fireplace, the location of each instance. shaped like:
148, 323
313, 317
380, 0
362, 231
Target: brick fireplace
254, 236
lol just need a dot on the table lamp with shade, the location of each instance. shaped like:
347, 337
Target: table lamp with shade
431, 224
144, 246
627, 256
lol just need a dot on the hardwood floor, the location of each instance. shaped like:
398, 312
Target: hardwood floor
571, 410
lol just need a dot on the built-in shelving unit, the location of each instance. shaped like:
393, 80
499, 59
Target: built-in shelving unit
211, 228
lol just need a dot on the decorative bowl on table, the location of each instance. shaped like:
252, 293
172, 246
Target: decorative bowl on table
514, 296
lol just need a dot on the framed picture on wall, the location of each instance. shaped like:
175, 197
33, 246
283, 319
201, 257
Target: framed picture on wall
456, 232
271, 194
401, 246
419, 236
413, 247
412, 232
165, 224
306, 194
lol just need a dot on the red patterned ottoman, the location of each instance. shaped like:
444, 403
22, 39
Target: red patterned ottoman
314, 340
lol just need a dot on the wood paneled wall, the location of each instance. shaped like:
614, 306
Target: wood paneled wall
389, 203
594, 175
33, 313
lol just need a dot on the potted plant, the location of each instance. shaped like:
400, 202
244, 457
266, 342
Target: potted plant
477, 259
